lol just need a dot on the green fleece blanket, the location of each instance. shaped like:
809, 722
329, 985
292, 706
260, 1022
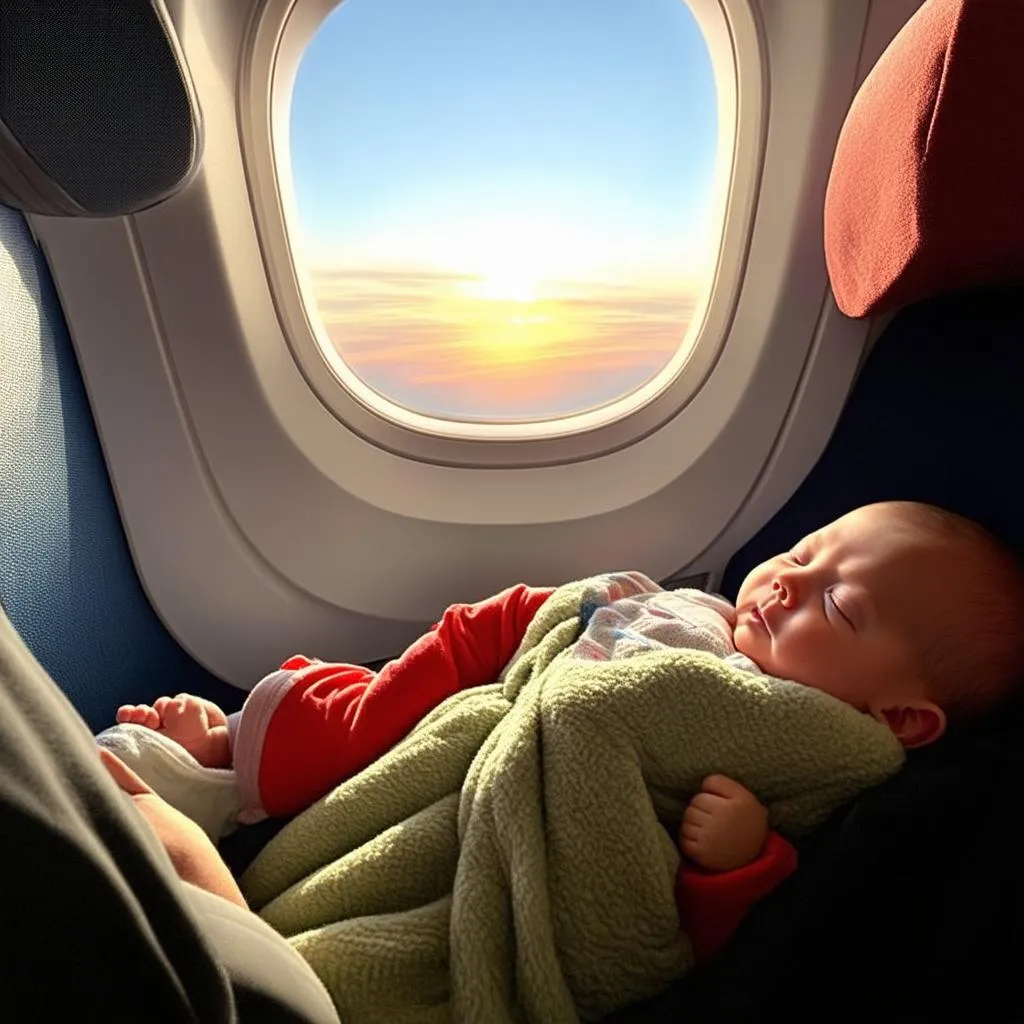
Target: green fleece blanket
509, 860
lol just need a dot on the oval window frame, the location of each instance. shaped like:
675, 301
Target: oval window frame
279, 33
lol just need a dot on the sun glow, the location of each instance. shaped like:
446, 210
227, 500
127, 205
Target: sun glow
507, 317
502, 287
512, 314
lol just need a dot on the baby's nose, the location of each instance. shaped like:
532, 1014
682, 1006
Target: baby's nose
783, 590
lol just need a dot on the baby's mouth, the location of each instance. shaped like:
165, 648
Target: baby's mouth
755, 614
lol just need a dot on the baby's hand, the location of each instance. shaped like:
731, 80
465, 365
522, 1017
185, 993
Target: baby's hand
724, 826
197, 724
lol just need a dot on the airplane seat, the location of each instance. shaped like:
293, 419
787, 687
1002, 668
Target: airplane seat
67, 581
896, 912
115, 132
934, 416
924, 213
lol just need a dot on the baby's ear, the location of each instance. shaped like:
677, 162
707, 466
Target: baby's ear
915, 723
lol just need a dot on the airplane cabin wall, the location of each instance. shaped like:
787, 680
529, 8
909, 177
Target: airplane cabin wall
265, 516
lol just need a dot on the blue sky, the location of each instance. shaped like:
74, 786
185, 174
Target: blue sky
522, 144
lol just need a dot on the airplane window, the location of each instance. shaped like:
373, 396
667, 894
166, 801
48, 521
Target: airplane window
502, 205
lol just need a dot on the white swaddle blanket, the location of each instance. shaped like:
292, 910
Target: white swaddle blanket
209, 796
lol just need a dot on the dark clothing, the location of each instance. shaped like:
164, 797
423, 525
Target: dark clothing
908, 906
94, 924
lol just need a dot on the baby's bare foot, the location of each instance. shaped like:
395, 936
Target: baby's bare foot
196, 724
138, 714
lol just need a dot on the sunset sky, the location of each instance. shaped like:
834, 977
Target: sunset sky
504, 202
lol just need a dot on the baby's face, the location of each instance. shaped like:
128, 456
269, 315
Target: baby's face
848, 609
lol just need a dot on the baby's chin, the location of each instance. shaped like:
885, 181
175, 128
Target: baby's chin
746, 639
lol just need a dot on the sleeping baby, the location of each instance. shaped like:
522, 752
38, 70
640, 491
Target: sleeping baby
903, 612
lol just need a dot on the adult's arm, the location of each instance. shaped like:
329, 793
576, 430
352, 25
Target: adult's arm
94, 924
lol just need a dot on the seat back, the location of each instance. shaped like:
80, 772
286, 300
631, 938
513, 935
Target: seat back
66, 576
935, 415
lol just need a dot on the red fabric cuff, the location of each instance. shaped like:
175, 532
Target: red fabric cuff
712, 904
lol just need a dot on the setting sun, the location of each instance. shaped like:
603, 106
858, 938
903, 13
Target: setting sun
502, 288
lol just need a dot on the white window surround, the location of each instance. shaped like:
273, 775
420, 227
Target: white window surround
261, 524
275, 49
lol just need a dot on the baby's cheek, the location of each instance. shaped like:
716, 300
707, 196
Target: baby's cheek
804, 656
750, 642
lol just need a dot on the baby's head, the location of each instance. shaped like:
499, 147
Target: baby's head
903, 610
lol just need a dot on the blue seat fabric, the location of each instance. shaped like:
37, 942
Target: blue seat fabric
67, 580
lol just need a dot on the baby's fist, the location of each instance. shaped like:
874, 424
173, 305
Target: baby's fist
724, 826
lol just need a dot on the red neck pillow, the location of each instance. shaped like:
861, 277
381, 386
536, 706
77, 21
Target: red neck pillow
926, 193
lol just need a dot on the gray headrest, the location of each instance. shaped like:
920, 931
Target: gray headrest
97, 112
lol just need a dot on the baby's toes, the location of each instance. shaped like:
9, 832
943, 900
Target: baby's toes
182, 717
138, 714
188, 709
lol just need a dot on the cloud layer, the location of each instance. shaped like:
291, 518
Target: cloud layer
423, 340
